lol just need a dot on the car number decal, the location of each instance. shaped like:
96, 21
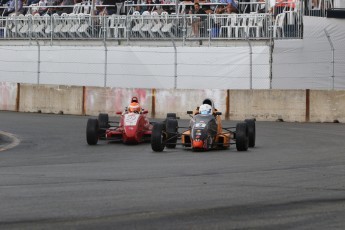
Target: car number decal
131, 119
200, 125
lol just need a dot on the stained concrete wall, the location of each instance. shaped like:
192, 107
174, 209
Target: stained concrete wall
51, 99
264, 105
268, 105
327, 105
112, 100
8, 96
180, 101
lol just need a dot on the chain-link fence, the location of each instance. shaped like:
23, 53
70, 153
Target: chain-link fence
237, 67
314, 62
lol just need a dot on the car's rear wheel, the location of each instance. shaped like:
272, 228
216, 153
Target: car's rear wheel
92, 130
158, 137
103, 120
171, 129
209, 142
242, 136
251, 132
171, 115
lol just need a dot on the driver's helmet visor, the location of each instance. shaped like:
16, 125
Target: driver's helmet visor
205, 112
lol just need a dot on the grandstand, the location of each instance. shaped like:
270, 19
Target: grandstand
255, 20
261, 35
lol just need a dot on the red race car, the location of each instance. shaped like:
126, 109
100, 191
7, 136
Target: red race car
134, 126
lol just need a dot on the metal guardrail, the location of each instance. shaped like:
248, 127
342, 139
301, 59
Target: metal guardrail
152, 26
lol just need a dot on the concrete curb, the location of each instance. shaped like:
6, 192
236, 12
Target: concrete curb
8, 141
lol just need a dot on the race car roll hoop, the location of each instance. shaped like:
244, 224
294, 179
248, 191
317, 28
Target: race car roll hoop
205, 131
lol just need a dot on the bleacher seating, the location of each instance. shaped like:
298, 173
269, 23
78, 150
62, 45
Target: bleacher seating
81, 24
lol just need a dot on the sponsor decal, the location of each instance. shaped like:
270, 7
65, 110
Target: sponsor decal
200, 125
131, 119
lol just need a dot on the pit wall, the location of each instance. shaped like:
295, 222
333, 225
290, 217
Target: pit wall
264, 105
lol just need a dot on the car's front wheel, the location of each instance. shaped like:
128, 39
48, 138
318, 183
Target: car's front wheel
158, 137
171, 129
92, 130
242, 136
251, 132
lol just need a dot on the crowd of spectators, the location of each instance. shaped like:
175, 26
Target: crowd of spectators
219, 6
66, 6
38, 6
10, 6
111, 6
53, 6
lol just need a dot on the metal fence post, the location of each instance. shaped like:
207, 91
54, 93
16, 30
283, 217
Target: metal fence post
175, 64
250, 63
105, 62
271, 44
38, 62
332, 48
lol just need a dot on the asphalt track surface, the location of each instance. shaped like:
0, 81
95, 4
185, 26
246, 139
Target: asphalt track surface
293, 179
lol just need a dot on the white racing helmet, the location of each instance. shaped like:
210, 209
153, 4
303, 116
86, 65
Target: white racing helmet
205, 109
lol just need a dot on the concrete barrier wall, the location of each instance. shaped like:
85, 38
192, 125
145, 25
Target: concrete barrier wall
112, 100
264, 105
51, 99
8, 96
327, 106
180, 101
268, 105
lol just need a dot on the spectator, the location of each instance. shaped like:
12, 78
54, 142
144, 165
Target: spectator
245, 6
3, 3
30, 2
65, 9
216, 22
315, 4
54, 10
188, 6
42, 10
159, 9
261, 7
219, 9
232, 2
111, 8
11, 7
149, 7
230, 9
197, 22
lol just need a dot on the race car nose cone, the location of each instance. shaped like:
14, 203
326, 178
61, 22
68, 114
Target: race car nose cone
198, 144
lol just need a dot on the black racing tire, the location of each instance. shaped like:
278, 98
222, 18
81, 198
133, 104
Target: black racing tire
103, 121
171, 116
158, 137
251, 132
171, 129
210, 141
92, 130
242, 140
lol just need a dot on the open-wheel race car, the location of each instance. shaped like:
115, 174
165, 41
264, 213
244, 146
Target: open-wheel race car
134, 126
205, 131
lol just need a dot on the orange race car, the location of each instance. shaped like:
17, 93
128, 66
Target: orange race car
205, 131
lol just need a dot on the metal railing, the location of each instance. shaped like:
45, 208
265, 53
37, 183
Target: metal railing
152, 26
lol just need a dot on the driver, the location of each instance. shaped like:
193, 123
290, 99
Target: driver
134, 107
205, 109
